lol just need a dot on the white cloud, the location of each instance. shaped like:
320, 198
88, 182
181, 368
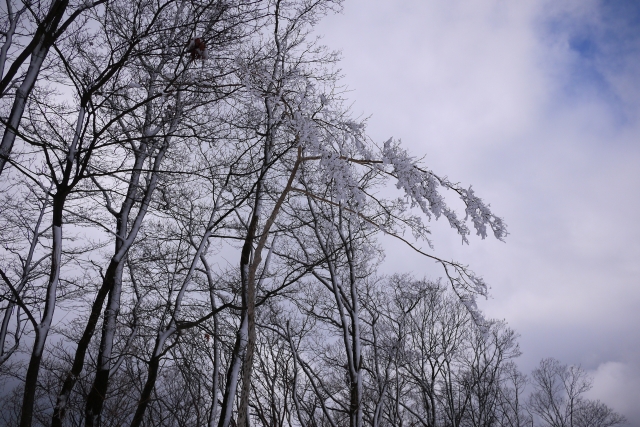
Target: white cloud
535, 103
618, 384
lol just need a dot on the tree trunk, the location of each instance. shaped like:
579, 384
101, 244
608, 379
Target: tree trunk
42, 41
145, 398
216, 371
42, 329
31, 379
19, 104
249, 278
95, 400
112, 280
233, 373
59, 411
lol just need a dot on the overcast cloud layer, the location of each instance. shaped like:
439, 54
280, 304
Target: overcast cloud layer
537, 104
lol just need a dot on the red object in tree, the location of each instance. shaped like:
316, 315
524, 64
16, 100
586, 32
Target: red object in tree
197, 48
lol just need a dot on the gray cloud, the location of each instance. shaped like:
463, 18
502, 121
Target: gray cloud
537, 105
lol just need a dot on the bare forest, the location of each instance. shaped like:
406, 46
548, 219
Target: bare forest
189, 236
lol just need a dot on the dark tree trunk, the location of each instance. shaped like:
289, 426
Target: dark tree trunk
83, 345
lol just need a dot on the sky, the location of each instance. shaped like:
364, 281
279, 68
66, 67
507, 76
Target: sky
536, 104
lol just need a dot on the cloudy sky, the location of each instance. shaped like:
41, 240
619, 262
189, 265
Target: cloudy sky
536, 104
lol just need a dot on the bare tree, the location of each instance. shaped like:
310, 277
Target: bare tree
558, 397
512, 404
47, 24
493, 346
26, 212
199, 133
597, 414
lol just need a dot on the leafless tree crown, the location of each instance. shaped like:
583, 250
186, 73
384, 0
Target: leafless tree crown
189, 236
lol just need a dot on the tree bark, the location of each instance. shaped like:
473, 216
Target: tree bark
63, 190
243, 415
59, 411
96, 397
152, 376
42, 329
